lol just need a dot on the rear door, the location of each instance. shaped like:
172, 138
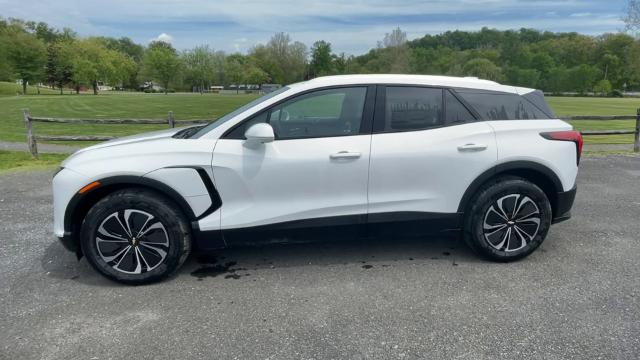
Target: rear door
426, 149
314, 174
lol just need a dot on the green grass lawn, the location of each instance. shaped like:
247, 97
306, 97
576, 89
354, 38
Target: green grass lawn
598, 106
11, 89
12, 160
118, 105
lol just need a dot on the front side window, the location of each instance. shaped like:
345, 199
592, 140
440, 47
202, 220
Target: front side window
323, 113
412, 108
237, 111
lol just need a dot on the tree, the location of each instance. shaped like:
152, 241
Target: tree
321, 59
134, 51
582, 78
255, 75
27, 56
602, 87
283, 60
394, 54
632, 17
199, 66
395, 38
93, 63
234, 71
59, 68
483, 68
6, 69
161, 62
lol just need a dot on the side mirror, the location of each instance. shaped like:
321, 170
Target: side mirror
260, 133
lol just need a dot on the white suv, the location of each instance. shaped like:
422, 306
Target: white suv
333, 157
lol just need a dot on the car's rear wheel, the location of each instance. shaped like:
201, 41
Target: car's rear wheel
135, 236
508, 219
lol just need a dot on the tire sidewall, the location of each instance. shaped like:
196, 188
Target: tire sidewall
173, 223
488, 197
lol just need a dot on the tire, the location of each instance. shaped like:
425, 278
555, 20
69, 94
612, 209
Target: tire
507, 219
155, 244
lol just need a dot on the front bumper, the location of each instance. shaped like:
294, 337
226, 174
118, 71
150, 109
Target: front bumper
68, 242
563, 204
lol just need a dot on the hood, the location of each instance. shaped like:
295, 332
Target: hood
153, 135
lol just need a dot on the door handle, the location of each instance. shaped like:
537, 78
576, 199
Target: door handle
345, 155
472, 147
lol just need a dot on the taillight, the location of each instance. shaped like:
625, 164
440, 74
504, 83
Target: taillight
570, 135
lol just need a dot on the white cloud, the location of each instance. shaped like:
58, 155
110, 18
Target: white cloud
164, 37
582, 14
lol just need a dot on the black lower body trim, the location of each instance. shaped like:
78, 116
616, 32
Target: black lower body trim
562, 208
307, 230
335, 228
413, 223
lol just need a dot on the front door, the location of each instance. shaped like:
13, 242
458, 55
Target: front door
313, 175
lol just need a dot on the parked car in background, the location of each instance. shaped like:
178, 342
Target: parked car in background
326, 159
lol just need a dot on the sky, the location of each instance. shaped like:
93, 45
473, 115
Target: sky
351, 26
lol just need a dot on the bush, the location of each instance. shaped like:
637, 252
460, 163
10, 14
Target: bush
616, 93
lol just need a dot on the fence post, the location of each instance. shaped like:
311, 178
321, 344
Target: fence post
170, 119
636, 142
31, 141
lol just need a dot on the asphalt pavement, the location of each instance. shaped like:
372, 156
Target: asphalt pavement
578, 296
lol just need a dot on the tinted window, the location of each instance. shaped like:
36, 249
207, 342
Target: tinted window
238, 132
333, 112
501, 106
456, 112
237, 111
412, 108
537, 99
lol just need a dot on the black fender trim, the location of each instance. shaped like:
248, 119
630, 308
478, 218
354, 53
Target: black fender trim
79, 202
506, 167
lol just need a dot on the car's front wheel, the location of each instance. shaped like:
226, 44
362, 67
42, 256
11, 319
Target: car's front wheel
508, 219
135, 236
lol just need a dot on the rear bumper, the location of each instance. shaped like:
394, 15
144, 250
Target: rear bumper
562, 208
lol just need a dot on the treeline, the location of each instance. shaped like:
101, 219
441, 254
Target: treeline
555, 62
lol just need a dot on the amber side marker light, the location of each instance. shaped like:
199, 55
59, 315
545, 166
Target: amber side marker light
88, 187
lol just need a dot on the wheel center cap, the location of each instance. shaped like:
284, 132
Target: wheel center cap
134, 241
510, 222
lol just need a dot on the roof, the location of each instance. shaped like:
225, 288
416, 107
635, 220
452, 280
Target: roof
450, 81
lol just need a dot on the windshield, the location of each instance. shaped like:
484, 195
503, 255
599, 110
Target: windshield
215, 123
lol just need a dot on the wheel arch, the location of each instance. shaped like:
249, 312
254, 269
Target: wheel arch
80, 204
534, 172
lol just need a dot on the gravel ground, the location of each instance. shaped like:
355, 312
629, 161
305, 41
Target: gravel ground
576, 297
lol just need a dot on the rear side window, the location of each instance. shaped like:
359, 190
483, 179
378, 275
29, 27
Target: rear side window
537, 99
456, 113
412, 108
501, 106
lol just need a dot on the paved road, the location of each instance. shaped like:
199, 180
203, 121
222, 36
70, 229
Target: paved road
576, 297
42, 148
